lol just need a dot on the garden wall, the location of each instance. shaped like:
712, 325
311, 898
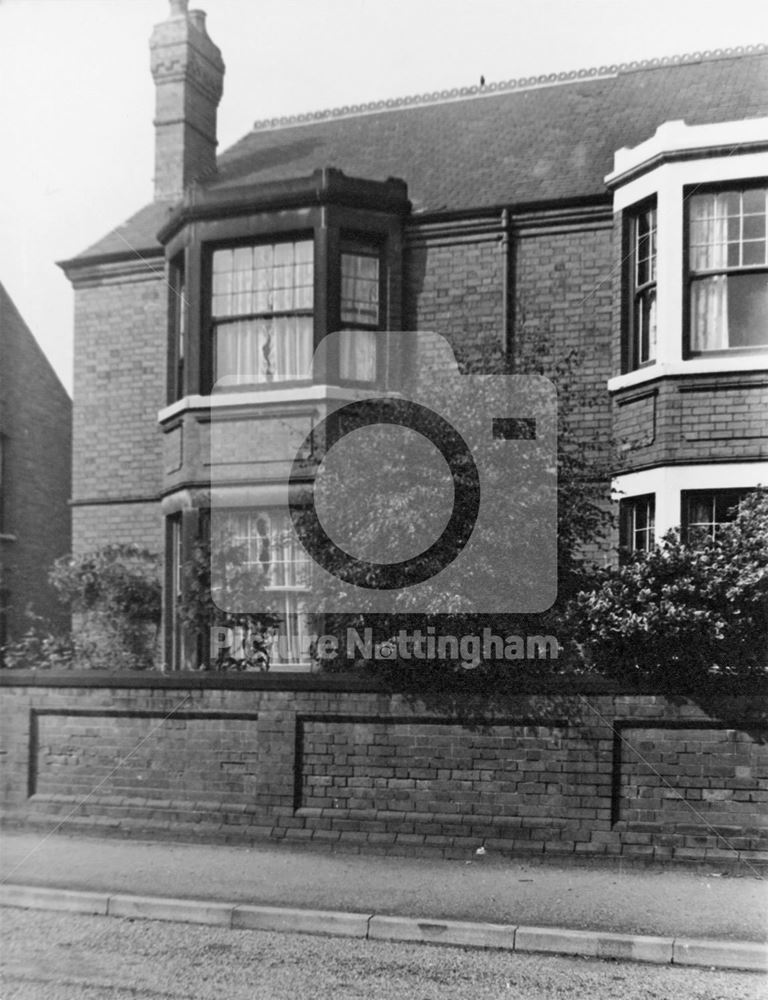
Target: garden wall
586, 771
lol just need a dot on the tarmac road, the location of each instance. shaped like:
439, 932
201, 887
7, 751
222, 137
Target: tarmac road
54, 956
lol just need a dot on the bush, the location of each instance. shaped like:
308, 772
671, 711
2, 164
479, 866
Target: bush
38, 648
682, 612
115, 596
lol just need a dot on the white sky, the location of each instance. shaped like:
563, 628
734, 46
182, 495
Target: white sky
76, 95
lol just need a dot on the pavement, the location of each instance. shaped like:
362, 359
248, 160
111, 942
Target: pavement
709, 918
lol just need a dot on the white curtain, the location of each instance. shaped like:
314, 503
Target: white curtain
358, 355
264, 350
709, 252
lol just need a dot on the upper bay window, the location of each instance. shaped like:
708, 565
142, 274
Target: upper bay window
259, 277
727, 270
642, 320
262, 313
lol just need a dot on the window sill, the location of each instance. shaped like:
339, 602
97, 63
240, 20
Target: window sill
723, 364
257, 397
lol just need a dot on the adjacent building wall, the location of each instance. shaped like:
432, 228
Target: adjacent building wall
120, 372
36, 430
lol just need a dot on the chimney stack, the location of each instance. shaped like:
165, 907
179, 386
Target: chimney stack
189, 73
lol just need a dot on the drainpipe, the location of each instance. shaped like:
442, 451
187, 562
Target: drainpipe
507, 309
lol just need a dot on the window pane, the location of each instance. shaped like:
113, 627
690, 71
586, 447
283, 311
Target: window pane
748, 310
263, 279
709, 314
359, 289
637, 521
705, 514
754, 227
755, 200
753, 253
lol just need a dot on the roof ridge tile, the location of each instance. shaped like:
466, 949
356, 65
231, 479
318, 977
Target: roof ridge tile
506, 86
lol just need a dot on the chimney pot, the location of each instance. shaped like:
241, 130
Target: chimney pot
197, 17
179, 8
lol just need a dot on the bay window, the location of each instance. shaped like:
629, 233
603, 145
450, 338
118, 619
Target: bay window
261, 310
727, 270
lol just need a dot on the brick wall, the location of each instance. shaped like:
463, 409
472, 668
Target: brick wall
693, 419
122, 523
120, 362
36, 425
586, 773
453, 286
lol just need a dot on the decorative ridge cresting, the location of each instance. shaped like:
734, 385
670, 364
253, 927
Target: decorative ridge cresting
505, 87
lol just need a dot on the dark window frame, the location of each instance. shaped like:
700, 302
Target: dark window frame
364, 245
178, 317
638, 294
730, 495
210, 323
628, 529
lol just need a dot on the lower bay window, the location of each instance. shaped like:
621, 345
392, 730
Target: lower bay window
265, 542
705, 512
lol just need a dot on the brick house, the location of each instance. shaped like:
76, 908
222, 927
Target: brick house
35, 473
619, 211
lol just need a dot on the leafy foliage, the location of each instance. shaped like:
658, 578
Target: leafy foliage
38, 648
115, 579
682, 612
583, 520
114, 595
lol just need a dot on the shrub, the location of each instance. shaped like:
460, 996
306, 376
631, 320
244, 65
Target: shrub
682, 612
115, 596
38, 648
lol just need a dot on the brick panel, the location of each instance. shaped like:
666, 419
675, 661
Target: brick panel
687, 776
425, 766
145, 755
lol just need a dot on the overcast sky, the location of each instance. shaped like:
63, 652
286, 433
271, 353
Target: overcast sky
76, 96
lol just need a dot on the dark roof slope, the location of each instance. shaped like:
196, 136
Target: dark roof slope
521, 142
540, 143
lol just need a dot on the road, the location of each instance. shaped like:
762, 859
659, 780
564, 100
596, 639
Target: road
54, 956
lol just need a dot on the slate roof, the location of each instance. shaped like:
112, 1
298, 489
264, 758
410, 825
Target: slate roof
522, 142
